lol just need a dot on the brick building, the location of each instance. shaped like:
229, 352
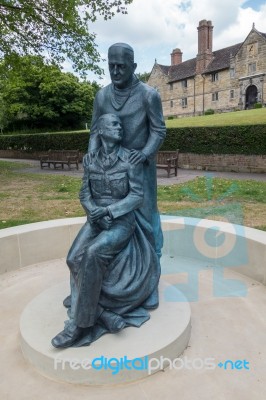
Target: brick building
224, 80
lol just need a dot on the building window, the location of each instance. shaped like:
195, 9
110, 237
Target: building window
232, 72
171, 86
171, 104
251, 68
184, 83
232, 94
215, 77
184, 102
215, 96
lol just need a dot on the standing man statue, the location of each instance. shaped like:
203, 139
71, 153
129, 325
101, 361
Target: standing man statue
139, 108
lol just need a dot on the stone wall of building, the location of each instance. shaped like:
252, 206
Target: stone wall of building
197, 96
226, 90
198, 93
158, 80
250, 65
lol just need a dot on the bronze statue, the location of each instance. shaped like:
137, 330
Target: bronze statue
113, 264
140, 111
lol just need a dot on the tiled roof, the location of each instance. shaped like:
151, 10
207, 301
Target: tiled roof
187, 68
182, 71
221, 58
164, 68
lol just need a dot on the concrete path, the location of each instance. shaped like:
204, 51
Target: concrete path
184, 175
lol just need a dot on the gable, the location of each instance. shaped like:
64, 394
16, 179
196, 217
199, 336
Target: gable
158, 76
252, 37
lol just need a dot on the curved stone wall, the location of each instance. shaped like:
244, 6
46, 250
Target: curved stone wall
220, 244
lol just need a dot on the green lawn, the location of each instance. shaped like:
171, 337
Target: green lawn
26, 198
247, 117
240, 202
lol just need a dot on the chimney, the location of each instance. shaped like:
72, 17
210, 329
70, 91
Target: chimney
205, 55
205, 29
176, 57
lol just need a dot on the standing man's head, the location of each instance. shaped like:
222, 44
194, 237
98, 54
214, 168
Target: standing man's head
121, 64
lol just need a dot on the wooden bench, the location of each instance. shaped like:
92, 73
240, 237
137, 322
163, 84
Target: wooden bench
60, 158
167, 160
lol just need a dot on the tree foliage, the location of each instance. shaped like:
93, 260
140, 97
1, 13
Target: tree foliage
57, 28
35, 95
143, 76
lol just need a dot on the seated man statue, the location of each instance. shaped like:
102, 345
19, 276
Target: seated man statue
112, 261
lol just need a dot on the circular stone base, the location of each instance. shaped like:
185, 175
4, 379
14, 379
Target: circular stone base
165, 335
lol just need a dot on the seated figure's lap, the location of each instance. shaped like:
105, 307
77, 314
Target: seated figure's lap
96, 242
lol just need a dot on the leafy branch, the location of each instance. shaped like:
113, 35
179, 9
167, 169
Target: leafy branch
58, 29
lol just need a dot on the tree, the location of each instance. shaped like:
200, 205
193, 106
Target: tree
57, 28
3, 117
143, 76
35, 95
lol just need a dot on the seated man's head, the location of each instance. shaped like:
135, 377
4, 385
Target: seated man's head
110, 128
121, 64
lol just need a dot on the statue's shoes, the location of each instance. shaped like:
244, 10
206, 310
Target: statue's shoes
67, 302
113, 322
67, 337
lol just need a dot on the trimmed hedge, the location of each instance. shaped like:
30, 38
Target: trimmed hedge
45, 142
248, 140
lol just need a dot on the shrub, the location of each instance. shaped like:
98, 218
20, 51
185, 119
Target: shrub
257, 105
210, 111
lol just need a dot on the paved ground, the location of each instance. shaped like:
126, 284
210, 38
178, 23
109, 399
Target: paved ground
184, 175
231, 328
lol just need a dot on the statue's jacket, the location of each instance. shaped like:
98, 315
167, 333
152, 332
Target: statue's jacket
117, 186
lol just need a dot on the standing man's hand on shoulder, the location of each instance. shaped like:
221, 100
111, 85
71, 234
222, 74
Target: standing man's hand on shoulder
137, 157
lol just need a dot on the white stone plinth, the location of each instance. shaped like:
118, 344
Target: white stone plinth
166, 335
